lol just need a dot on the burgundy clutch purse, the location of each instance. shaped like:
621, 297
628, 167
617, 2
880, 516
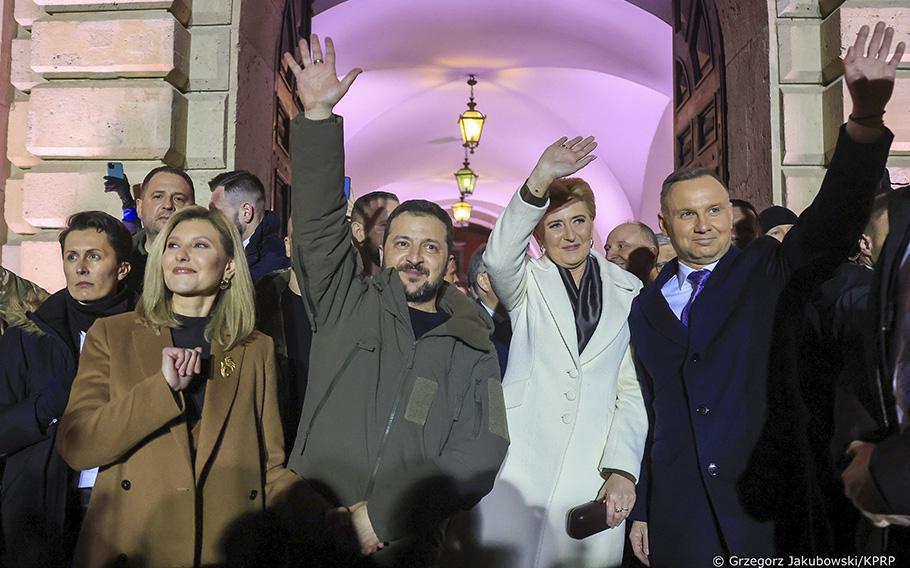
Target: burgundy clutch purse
584, 520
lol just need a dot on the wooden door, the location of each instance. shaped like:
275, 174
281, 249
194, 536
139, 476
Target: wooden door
699, 123
296, 24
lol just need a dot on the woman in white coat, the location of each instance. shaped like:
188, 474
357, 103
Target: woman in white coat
575, 411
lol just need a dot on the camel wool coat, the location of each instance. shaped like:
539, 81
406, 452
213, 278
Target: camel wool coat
150, 499
570, 415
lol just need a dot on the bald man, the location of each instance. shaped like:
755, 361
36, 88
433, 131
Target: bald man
633, 247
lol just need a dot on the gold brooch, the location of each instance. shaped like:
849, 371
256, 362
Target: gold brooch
227, 367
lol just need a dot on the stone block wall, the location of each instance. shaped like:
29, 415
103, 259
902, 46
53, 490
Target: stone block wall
190, 83
808, 97
143, 82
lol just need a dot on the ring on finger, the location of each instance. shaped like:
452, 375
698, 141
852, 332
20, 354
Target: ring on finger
318, 61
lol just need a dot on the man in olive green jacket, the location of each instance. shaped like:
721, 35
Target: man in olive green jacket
404, 419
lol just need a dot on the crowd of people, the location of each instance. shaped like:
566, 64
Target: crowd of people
202, 393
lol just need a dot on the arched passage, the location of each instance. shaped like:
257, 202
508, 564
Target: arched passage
585, 67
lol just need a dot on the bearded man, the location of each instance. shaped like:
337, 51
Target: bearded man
404, 419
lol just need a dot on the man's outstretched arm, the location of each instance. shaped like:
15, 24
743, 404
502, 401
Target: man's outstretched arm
323, 256
829, 228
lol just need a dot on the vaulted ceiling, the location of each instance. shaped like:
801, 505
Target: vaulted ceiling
545, 69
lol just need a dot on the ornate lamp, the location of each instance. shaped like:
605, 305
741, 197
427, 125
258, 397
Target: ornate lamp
471, 121
461, 210
465, 177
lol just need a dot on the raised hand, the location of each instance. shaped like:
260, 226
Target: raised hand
179, 365
868, 73
561, 158
318, 85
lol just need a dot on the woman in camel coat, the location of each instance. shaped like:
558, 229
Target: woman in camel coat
176, 404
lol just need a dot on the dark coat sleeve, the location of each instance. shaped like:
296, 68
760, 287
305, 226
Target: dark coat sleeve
323, 257
19, 427
406, 503
829, 228
640, 508
268, 263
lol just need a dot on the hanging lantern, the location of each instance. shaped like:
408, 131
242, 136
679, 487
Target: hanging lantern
466, 178
461, 210
471, 121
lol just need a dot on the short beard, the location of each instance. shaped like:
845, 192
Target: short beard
427, 291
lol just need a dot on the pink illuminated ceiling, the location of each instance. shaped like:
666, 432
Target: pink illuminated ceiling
546, 68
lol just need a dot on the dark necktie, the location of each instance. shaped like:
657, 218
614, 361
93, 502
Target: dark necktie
698, 280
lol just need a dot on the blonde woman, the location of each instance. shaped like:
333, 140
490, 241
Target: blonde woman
175, 402
573, 401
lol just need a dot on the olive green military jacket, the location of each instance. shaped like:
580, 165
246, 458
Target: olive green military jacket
415, 428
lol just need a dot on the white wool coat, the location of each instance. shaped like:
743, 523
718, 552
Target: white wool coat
569, 415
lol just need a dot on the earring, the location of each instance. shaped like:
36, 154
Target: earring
224, 284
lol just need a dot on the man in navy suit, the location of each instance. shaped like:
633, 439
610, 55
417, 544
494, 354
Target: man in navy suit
702, 334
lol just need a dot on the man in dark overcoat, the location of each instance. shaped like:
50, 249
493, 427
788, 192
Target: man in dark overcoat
702, 335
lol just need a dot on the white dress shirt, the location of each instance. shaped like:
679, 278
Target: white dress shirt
678, 290
86, 476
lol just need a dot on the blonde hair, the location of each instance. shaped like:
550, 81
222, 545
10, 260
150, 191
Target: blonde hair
233, 317
561, 192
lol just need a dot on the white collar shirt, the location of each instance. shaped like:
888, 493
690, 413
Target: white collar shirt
678, 289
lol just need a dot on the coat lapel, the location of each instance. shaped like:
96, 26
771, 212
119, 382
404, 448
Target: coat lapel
557, 302
612, 319
147, 347
716, 303
220, 392
895, 244
657, 311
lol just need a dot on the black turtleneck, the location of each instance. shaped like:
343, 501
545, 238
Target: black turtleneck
189, 335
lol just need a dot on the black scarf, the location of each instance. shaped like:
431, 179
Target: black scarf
586, 300
81, 315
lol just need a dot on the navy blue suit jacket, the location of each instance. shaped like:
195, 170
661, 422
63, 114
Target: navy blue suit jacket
708, 486
265, 252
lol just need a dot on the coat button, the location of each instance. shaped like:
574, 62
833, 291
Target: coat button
570, 395
253, 494
695, 358
122, 559
703, 410
713, 469
566, 418
125, 484
573, 373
